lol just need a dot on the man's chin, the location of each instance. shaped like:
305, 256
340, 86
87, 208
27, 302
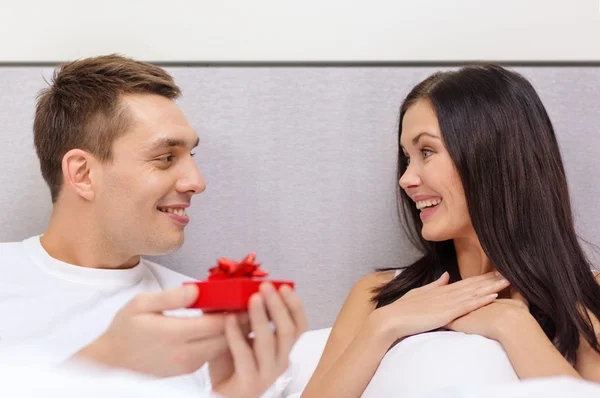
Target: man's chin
163, 247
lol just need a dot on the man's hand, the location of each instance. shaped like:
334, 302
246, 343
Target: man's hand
142, 339
251, 366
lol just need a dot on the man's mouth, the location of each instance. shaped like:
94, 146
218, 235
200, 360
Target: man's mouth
174, 210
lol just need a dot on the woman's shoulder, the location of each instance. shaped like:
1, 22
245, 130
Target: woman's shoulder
360, 297
374, 280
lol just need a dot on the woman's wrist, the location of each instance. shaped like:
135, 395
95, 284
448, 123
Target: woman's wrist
383, 327
513, 324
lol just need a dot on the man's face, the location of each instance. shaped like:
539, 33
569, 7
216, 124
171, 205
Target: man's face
144, 191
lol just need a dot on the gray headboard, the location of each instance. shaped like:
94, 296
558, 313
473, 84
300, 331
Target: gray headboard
300, 167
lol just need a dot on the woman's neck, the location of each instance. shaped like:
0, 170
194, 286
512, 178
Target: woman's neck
471, 258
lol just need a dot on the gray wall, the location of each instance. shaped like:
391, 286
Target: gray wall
300, 167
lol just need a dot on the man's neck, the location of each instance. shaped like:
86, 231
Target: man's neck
69, 240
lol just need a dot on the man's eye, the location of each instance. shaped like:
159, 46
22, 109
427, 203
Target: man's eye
166, 159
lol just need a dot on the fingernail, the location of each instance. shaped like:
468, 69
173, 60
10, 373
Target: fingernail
267, 289
258, 300
492, 296
285, 290
504, 280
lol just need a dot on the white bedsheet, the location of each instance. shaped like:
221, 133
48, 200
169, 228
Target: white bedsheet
558, 387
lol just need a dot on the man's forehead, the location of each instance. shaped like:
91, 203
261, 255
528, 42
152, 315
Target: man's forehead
151, 111
156, 122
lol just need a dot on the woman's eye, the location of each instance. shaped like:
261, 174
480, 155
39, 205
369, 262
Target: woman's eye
426, 153
166, 159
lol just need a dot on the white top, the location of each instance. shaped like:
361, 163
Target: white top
418, 366
422, 364
426, 362
51, 309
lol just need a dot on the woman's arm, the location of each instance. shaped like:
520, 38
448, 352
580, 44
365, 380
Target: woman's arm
529, 350
532, 354
355, 345
362, 335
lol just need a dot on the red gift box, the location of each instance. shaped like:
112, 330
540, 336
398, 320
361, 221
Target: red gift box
230, 285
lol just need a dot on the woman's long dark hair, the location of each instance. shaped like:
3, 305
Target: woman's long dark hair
503, 145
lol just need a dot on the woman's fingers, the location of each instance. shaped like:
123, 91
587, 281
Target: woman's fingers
441, 281
483, 289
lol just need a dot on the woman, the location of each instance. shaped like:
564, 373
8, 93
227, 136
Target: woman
484, 197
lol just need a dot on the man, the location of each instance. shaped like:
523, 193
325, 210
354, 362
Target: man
117, 154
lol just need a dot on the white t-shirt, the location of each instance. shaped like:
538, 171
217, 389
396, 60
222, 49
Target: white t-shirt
18, 381
50, 309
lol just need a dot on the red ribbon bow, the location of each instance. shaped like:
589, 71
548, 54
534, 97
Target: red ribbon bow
227, 268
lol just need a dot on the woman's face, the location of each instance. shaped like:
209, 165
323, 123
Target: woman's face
430, 178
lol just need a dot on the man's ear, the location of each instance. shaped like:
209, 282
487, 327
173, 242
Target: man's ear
78, 172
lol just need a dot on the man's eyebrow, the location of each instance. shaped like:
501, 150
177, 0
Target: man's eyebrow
167, 142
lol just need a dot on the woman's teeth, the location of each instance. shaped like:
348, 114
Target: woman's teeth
179, 212
427, 203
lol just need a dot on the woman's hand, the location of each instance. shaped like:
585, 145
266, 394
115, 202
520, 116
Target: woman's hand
437, 304
493, 319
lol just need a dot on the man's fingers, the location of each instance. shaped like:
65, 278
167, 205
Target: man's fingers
209, 348
264, 344
243, 320
172, 299
192, 356
243, 358
295, 308
285, 328
221, 368
196, 328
